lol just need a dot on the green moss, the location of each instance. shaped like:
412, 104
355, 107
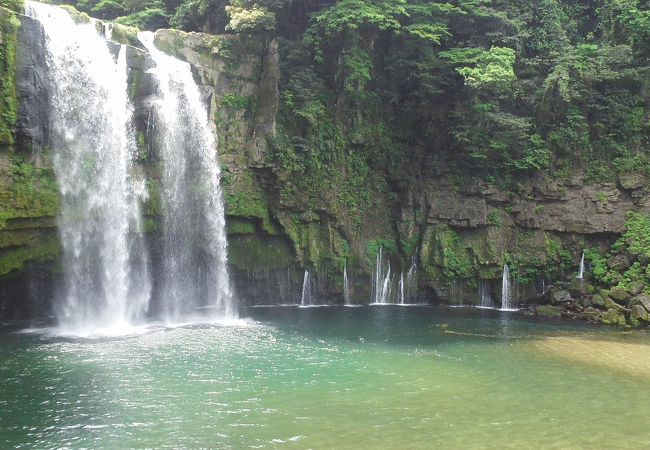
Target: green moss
134, 83
254, 252
9, 25
124, 34
14, 259
239, 226
27, 192
239, 102
386, 244
448, 256
494, 218
14, 5
77, 16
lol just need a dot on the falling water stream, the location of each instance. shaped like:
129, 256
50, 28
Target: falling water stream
106, 277
581, 273
107, 284
195, 270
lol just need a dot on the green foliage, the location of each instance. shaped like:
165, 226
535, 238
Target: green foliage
14, 5
492, 68
249, 19
387, 245
494, 218
8, 108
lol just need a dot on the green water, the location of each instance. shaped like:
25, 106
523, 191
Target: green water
371, 377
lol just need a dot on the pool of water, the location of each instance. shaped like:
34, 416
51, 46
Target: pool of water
369, 377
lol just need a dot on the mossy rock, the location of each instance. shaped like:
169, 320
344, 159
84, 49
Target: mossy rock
619, 294
613, 317
549, 311
77, 16
15, 258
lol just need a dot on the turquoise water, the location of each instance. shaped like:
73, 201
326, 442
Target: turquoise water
369, 377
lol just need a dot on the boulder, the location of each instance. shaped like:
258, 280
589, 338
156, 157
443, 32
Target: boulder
619, 294
598, 300
618, 262
611, 304
613, 317
636, 288
561, 296
549, 311
591, 314
643, 300
638, 313
578, 287
631, 181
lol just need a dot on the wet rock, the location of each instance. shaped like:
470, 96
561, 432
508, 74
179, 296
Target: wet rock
613, 317
592, 314
549, 311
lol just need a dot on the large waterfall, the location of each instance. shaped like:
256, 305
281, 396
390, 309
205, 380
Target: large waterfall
195, 275
106, 281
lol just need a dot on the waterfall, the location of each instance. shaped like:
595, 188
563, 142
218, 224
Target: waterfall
506, 289
105, 265
195, 274
306, 297
401, 299
382, 283
485, 295
346, 287
581, 274
412, 281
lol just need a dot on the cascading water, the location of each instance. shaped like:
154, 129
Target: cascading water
195, 274
506, 294
581, 273
485, 295
412, 280
401, 299
346, 287
106, 279
306, 297
382, 281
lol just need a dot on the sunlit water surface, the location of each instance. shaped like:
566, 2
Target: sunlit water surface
371, 377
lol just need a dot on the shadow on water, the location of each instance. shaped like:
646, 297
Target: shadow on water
421, 326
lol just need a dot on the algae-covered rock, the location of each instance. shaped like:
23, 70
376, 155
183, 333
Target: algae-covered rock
619, 294
618, 262
611, 304
613, 317
591, 314
636, 288
561, 296
549, 311
638, 313
598, 300
643, 300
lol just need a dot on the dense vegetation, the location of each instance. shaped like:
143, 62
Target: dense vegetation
506, 87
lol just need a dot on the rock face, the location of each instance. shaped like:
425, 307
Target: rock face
460, 230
